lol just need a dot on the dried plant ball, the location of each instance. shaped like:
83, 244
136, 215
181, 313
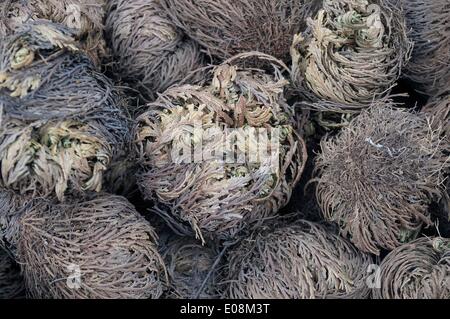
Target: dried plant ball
192, 269
226, 28
84, 17
43, 159
429, 23
351, 54
418, 270
102, 248
150, 53
63, 122
43, 58
376, 178
197, 148
11, 281
300, 261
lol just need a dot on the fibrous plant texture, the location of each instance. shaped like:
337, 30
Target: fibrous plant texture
418, 270
12, 208
303, 260
62, 122
429, 24
246, 159
378, 175
11, 281
150, 53
351, 54
84, 17
226, 28
100, 248
192, 269
439, 108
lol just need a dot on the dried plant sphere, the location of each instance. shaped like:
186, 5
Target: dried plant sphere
84, 17
151, 54
300, 261
376, 178
63, 122
351, 54
191, 269
100, 248
212, 195
428, 22
226, 28
11, 281
418, 270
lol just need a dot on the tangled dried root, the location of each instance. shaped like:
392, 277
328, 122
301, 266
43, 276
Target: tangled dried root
11, 281
84, 17
226, 28
191, 269
100, 248
63, 122
304, 260
418, 270
429, 22
224, 187
150, 52
351, 54
378, 175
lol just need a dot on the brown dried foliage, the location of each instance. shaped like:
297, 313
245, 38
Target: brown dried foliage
226, 28
63, 122
418, 270
112, 244
150, 53
11, 281
351, 54
303, 260
218, 199
84, 17
378, 175
191, 268
429, 24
